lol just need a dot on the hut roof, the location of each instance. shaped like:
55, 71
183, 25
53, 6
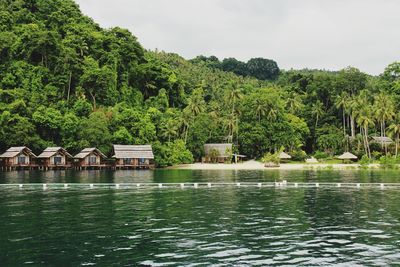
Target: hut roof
382, 139
221, 148
133, 152
284, 155
15, 151
51, 151
87, 151
347, 155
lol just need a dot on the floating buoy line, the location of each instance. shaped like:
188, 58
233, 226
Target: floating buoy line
283, 184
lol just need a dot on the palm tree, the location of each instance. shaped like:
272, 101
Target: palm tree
294, 102
230, 125
365, 120
261, 109
196, 103
342, 102
272, 112
394, 132
169, 129
317, 111
384, 111
234, 95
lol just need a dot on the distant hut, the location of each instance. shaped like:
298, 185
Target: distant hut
133, 156
347, 156
217, 152
18, 157
55, 157
90, 158
382, 140
284, 156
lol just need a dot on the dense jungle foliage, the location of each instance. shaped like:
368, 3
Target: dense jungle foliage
66, 81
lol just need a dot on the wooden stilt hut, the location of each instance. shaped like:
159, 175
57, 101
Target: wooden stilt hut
55, 158
133, 156
18, 158
90, 158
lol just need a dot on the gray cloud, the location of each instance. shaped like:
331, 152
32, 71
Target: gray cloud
329, 34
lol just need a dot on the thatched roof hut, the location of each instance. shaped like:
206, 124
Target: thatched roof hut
284, 155
382, 140
88, 151
18, 156
347, 155
53, 151
133, 152
224, 150
16, 151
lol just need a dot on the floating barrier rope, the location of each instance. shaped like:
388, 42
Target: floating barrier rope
284, 184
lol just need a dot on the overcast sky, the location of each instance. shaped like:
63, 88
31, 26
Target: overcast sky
324, 34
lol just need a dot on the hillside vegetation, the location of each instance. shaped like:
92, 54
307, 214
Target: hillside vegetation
66, 81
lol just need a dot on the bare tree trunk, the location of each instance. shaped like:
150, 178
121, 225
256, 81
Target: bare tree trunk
69, 85
353, 134
94, 100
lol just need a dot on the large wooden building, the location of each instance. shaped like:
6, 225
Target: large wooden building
133, 156
55, 158
18, 158
90, 158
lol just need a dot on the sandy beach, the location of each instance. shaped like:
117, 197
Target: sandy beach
255, 165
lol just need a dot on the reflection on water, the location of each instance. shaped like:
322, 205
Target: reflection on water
177, 176
222, 226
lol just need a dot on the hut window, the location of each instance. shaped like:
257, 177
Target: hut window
57, 160
92, 159
127, 161
142, 161
21, 160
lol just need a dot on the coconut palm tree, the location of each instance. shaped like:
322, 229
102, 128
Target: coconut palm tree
169, 129
342, 102
365, 120
317, 111
260, 108
384, 111
394, 132
294, 102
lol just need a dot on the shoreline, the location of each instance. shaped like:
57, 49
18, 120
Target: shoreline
255, 165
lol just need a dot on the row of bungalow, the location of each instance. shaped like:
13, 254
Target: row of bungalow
124, 157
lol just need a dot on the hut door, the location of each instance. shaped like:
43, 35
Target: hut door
57, 160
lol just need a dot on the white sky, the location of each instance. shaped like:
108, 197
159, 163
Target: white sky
324, 34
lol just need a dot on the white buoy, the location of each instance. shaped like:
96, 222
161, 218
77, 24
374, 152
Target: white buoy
316, 184
91, 186
259, 185
382, 186
20, 186
296, 184
159, 185
238, 184
44, 186
195, 185
339, 185
209, 185
182, 185
284, 182
65, 186
358, 185
137, 185
117, 186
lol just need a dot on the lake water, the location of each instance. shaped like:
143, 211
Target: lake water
219, 226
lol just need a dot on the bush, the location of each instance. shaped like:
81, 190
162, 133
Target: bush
365, 161
388, 162
271, 158
321, 155
172, 153
299, 155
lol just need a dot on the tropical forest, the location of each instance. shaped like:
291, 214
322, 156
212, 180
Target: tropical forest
65, 81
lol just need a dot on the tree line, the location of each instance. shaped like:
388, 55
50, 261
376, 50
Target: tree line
66, 81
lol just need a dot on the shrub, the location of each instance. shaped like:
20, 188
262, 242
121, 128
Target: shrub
299, 155
321, 155
364, 161
388, 162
